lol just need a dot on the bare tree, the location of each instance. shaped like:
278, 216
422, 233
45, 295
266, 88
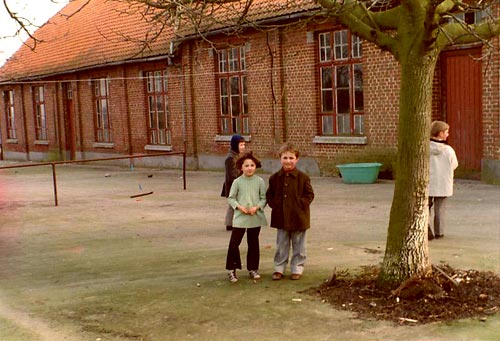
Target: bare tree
26, 26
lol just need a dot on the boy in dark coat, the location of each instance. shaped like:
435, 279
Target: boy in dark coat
289, 195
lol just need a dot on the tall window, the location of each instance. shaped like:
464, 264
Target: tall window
159, 125
341, 79
11, 117
233, 95
102, 114
40, 114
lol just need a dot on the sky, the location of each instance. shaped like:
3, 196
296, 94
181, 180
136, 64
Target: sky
38, 11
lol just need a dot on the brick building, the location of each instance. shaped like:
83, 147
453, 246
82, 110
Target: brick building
91, 89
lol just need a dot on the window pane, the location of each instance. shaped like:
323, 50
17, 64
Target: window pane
40, 96
246, 128
243, 65
327, 124
235, 105
357, 48
233, 59
325, 47
326, 78
102, 87
327, 101
104, 107
359, 124
223, 86
235, 86
326, 89
342, 101
158, 81
245, 104
342, 76
340, 43
224, 106
236, 125
343, 124
225, 125
358, 87
159, 104
222, 61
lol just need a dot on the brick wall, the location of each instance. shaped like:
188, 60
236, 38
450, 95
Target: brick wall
283, 102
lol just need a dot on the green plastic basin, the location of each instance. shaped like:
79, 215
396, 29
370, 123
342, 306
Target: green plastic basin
359, 173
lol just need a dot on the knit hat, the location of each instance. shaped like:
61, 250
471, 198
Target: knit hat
235, 143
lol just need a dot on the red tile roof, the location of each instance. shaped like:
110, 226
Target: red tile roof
229, 14
96, 34
102, 33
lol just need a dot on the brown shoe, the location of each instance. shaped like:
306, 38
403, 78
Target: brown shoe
295, 276
277, 276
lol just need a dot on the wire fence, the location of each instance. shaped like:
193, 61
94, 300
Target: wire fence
55, 163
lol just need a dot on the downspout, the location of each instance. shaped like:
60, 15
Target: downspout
283, 94
25, 125
78, 118
130, 149
183, 110
57, 121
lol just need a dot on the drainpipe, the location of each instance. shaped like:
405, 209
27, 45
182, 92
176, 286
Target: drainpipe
25, 125
57, 119
127, 112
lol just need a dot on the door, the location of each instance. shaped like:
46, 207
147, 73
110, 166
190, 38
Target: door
69, 121
462, 105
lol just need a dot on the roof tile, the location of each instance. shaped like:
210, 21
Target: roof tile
103, 32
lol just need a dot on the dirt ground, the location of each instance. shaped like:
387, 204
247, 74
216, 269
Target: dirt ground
449, 294
348, 234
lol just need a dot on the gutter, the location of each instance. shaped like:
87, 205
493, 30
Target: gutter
309, 13
118, 63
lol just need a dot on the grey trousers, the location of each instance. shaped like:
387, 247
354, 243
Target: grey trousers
297, 239
439, 205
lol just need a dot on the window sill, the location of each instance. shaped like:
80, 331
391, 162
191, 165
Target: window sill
158, 147
12, 141
227, 138
340, 139
104, 145
42, 142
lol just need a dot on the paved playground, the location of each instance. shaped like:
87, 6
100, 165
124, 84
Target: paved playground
349, 222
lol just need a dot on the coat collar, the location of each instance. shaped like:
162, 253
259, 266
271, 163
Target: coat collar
438, 141
293, 173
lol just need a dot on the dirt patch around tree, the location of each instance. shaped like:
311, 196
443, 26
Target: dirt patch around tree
449, 294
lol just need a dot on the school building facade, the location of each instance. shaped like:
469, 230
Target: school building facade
84, 93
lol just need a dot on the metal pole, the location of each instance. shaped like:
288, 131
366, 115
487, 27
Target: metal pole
54, 180
184, 167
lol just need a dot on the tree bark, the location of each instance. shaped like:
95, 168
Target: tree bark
407, 253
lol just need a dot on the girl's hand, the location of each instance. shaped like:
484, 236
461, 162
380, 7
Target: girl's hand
243, 209
253, 210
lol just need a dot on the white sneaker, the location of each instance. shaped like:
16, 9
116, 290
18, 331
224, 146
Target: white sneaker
254, 274
232, 276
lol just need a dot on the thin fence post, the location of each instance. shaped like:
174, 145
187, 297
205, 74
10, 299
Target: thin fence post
54, 180
184, 169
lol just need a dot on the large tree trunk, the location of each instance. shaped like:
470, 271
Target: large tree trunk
407, 253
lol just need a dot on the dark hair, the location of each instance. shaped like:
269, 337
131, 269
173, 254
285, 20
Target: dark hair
246, 156
288, 147
235, 142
